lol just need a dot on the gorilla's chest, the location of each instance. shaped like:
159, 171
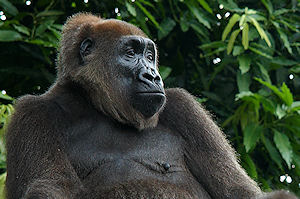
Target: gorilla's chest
122, 152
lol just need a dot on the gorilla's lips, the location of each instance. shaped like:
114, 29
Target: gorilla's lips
150, 102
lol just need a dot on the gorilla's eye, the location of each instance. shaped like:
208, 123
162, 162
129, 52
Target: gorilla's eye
150, 57
130, 52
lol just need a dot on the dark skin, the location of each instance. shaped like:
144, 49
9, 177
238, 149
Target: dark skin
108, 129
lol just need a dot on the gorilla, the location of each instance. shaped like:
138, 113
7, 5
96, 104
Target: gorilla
107, 128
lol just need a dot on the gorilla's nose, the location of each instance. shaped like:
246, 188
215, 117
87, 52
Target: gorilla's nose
149, 77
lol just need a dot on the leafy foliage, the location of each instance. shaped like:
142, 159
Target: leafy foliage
241, 57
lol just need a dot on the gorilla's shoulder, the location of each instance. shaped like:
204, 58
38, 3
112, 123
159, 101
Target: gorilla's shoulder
181, 106
179, 98
33, 104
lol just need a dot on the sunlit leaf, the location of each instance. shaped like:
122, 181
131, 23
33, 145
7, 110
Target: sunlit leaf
9, 35
252, 134
245, 39
205, 5
215, 44
2, 185
229, 26
283, 144
6, 97
260, 31
232, 38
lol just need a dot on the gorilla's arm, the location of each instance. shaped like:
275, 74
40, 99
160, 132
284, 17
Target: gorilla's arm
37, 166
209, 156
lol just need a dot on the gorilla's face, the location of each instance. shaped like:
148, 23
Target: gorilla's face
137, 64
129, 69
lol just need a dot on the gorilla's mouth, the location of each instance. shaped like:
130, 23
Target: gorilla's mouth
149, 102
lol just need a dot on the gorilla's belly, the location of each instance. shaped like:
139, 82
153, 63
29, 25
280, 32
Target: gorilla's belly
135, 179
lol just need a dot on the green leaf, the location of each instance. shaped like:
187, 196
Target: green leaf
244, 63
130, 8
264, 72
250, 166
268, 5
287, 96
268, 105
243, 95
260, 31
243, 81
237, 50
204, 4
22, 29
148, 14
242, 20
215, 44
283, 61
245, 39
283, 144
252, 134
9, 7
280, 112
198, 14
232, 38
48, 13
9, 35
184, 22
229, 26
295, 106
164, 71
167, 26
2, 185
42, 43
255, 50
275, 156
285, 40
6, 97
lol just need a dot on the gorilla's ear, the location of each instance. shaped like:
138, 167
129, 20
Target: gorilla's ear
85, 48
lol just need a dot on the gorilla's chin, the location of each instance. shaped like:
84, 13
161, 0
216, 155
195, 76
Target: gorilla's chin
149, 103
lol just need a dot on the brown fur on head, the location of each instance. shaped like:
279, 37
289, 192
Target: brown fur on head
100, 77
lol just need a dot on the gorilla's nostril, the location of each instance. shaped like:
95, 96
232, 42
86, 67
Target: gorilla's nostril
157, 78
148, 76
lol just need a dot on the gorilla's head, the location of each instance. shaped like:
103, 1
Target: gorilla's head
116, 64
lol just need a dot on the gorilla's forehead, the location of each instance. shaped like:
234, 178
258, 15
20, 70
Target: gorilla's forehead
117, 28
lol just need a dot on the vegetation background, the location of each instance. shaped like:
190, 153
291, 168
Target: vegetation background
241, 58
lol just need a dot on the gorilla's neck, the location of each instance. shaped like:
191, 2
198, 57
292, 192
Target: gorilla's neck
111, 105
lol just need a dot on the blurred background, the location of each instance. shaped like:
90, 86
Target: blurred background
240, 58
